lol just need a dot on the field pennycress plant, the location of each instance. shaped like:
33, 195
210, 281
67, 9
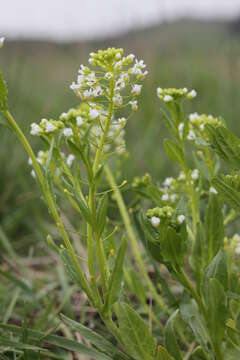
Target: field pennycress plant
175, 294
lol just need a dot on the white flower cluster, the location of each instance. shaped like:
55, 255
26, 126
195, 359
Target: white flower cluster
163, 215
169, 190
197, 125
171, 94
93, 119
46, 127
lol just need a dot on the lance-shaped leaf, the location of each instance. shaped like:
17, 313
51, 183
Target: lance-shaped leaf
71, 270
225, 143
116, 277
173, 247
217, 269
199, 354
230, 195
217, 311
162, 354
191, 316
197, 259
170, 338
101, 217
214, 227
95, 339
3, 93
135, 334
58, 341
173, 151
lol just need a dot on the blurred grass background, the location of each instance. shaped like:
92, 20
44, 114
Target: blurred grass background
200, 55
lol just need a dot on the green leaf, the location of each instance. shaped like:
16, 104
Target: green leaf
162, 354
191, 316
70, 268
58, 341
3, 93
173, 247
85, 211
225, 143
170, 338
135, 334
173, 151
94, 338
197, 259
216, 311
198, 354
229, 194
116, 277
214, 227
217, 269
101, 215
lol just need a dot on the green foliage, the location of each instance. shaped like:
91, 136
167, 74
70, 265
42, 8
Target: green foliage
135, 334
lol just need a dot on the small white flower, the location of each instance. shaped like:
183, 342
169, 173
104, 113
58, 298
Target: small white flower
136, 89
165, 197
182, 176
134, 105
33, 174
192, 94
118, 56
173, 197
194, 116
185, 90
212, 190
168, 181
35, 129
195, 174
2, 39
180, 219
108, 76
155, 221
67, 132
202, 127
63, 115
191, 135
237, 251
29, 161
74, 86
180, 129
131, 57
117, 100
159, 91
79, 121
49, 127
167, 98
70, 159
93, 113
122, 121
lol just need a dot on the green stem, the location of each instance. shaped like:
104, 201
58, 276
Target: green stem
51, 204
99, 249
188, 285
132, 238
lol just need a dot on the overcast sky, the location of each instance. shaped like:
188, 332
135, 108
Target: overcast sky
74, 19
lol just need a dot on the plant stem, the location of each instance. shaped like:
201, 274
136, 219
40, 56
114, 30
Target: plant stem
50, 201
99, 249
188, 285
132, 238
